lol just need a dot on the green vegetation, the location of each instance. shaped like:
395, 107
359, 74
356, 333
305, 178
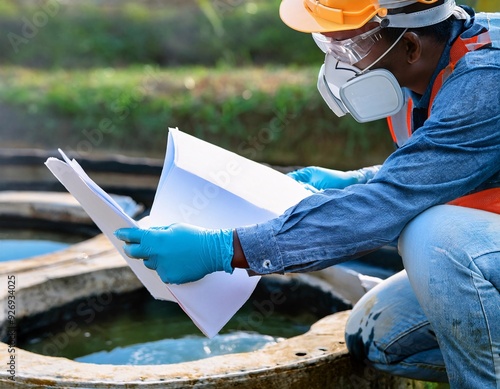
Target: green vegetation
271, 114
105, 76
54, 34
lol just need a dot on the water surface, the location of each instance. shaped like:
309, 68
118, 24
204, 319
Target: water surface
141, 331
18, 244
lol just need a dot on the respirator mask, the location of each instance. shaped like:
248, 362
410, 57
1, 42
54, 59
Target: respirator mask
366, 94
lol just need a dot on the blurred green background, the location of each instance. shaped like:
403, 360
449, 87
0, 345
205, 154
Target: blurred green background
111, 76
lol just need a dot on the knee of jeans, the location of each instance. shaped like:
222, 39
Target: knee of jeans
424, 232
362, 345
447, 229
446, 242
360, 333
358, 344
374, 323
429, 239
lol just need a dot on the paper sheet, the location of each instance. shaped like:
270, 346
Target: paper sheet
200, 184
108, 218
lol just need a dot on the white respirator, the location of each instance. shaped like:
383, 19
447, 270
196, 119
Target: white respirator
366, 94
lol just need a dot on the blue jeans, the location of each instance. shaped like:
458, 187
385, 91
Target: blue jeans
439, 319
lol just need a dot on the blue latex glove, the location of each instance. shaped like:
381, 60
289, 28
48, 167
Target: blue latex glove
180, 253
321, 178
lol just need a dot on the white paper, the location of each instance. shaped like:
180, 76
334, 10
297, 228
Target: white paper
108, 218
203, 185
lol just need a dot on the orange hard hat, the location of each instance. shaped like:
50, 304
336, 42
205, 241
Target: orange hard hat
336, 15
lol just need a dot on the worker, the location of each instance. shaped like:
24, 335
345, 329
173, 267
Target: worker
433, 69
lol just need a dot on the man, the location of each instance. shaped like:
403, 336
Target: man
440, 319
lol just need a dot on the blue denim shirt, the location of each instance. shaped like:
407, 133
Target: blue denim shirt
454, 152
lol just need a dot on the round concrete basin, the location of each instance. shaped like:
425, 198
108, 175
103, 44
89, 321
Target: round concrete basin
316, 359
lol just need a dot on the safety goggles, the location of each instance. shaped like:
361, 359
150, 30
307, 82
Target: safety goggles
349, 50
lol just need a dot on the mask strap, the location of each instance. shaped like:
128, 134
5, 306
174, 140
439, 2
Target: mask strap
423, 18
384, 54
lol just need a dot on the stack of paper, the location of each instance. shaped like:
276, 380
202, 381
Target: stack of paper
203, 185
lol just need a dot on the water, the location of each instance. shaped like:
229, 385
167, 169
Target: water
135, 329
188, 348
18, 244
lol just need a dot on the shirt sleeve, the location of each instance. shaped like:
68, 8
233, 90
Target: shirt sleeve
367, 173
456, 150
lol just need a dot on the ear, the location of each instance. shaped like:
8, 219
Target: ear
413, 47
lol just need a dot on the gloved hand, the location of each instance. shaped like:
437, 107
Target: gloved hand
180, 252
322, 178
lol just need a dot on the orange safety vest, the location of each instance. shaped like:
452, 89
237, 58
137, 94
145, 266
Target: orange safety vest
400, 124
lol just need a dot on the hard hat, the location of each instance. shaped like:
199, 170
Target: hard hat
339, 15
